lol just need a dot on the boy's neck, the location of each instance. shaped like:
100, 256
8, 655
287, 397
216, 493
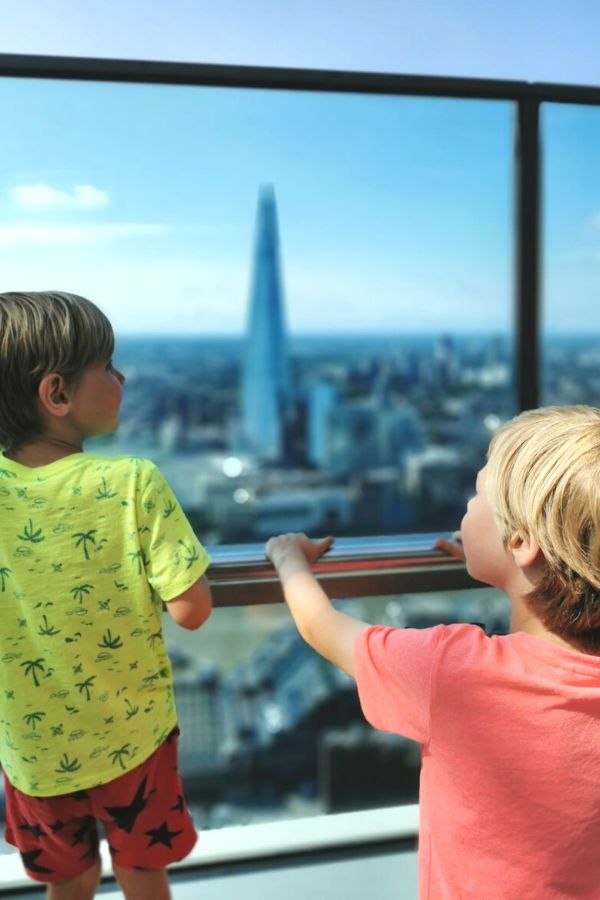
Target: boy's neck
524, 620
43, 452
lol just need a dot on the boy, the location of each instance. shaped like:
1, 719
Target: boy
89, 548
509, 725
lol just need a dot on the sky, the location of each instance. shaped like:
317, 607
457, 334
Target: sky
395, 213
541, 40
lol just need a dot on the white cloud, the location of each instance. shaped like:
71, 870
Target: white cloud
43, 235
42, 197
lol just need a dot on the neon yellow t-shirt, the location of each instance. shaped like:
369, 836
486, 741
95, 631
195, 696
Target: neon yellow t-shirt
89, 546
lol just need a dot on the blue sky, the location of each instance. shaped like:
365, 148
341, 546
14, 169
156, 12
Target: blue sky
542, 40
395, 213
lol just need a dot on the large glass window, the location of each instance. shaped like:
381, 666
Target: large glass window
312, 297
312, 292
571, 255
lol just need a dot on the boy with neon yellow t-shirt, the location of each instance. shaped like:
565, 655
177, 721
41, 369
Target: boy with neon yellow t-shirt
90, 547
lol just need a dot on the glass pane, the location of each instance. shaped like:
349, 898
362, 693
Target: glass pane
311, 291
312, 296
571, 262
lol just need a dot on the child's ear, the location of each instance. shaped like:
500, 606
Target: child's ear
53, 394
525, 550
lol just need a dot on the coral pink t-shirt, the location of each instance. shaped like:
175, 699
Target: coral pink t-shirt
509, 729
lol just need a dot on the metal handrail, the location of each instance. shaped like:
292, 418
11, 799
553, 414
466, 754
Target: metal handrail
216, 74
241, 575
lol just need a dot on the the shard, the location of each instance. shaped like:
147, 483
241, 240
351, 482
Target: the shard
265, 389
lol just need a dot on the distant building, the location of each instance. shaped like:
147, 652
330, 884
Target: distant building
353, 437
307, 509
323, 399
265, 378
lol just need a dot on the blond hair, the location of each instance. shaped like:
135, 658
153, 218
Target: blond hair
40, 333
543, 481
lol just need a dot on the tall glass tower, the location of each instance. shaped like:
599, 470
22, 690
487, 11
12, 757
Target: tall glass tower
265, 389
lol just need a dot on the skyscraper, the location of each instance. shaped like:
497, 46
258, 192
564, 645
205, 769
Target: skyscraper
265, 388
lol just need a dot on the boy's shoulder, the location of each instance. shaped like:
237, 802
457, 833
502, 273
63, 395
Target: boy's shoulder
138, 465
140, 473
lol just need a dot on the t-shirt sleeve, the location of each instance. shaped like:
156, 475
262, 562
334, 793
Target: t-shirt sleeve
393, 670
173, 557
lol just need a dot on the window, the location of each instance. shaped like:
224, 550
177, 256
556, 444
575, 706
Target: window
571, 236
312, 291
312, 297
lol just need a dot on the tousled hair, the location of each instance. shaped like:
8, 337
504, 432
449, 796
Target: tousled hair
43, 332
543, 481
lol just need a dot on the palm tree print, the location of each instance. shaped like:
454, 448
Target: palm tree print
47, 629
31, 534
83, 537
81, 590
117, 755
6, 473
109, 642
155, 636
170, 507
140, 557
4, 573
68, 765
104, 492
32, 718
192, 554
86, 685
131, 709
31, 667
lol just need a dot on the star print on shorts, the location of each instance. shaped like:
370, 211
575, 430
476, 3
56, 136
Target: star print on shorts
143, 812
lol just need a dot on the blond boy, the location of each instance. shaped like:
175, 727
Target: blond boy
509, 726
89, 547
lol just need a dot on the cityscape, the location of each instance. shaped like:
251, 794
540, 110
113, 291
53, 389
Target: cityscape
351, 434
346, 434
375, 363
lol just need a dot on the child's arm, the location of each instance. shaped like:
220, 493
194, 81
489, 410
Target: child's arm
328, 631
192, 608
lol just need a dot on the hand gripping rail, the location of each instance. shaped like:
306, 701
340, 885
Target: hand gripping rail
241, 575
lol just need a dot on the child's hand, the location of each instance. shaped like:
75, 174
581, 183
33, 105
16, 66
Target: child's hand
452, 548
290, 553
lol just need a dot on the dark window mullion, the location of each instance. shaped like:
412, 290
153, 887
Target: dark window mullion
527, 252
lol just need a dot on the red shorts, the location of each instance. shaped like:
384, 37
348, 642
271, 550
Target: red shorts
144, 815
